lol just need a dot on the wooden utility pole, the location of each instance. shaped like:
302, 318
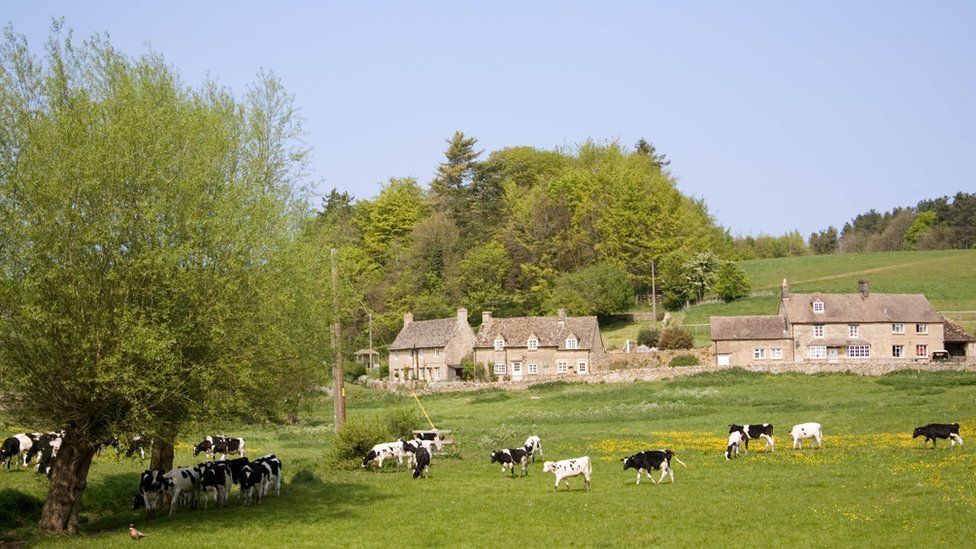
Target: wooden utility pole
653, 292
338, 375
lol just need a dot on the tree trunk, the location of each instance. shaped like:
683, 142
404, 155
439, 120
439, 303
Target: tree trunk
162, 455
69, 477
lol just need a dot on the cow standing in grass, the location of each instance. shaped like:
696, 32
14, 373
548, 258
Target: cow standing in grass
649, 460
534, 445
16, 446
567, 468
933, 431
805, 431
381, 452
732, 449
509, 457
422, 463
764, 431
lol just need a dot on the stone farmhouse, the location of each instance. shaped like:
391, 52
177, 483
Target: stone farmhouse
821, 327
431, 350
526, 347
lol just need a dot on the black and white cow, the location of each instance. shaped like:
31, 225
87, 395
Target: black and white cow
215, 477
509, 457
111, 442
764, 431
423, 463
534, 445
382, 452
16, 446
43, 443
220, 445
570, 468
649, 460
272, 479
152, 485
138, 443
933, 431
735, 441
181, 483
253, 479
410, 448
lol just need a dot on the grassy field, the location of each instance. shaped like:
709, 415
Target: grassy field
870, 485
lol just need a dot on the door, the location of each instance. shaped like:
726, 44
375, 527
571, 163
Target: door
516, 370
832, 354
723, 360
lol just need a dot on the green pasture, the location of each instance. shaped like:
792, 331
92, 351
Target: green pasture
870, 485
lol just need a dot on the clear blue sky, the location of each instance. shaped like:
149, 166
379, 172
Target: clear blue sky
781, 115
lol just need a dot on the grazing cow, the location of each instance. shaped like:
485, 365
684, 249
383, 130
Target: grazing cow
272, 466
152, 484
138, 443
252, 480
508, 458
111, 442
933, 431
534, 444
423, 463
181, 481
43, 442
570, 468
220, 445
16, 446
215, 476
735, 440
410, 448
49, 451
806, 431
764, 431
647, 460
387, 450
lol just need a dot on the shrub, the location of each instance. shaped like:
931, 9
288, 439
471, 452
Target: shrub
401, 421
684, 360
731, 283
470, 371
676, 338
648, 337
354, 369
354, 441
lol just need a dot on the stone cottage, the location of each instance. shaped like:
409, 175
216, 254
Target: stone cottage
430, 350
527, 347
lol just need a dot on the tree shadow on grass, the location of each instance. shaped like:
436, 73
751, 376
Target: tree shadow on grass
307, 498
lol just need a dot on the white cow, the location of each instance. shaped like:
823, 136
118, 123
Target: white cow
735, 440
387, 450
806, 431
182, 480
535, 443
570, 468
410, 448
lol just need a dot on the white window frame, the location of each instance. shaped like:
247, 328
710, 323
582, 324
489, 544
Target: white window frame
500, 369
898, 351
581, 367
921, 328
898, 328
499, 343
924, 347
858, 351
817, 351
562, 366
532, 368
776, 353
532, 344
818, 331
436, 373
572, 343
818, 306
759, 353
854, 331
516, 368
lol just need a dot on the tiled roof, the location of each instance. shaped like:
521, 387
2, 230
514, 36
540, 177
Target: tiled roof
955, 333
748, 327
421, 334
551, 331
798, 308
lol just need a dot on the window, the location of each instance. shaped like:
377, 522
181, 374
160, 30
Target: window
561, 366
581, 367
437, 373
499, 343
818, 306
921, 350
854, 331
898, 328
898, 351
499, 369
776, 353
532, 368
759, 353
817, 351
438, 352
921, 328
571, 342
516, 368
818, 330
533, 344
420, 353
858, 351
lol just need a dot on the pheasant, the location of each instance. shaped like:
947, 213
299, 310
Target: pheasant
135, 534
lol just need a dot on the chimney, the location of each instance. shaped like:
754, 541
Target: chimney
784, 290
561, 313
407, 319
862, 287
485, 318
462, 315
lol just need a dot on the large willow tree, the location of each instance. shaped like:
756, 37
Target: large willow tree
142, 223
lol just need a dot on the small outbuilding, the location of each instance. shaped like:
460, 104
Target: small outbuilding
958, 341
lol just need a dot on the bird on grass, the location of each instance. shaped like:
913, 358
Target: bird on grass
135, 534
